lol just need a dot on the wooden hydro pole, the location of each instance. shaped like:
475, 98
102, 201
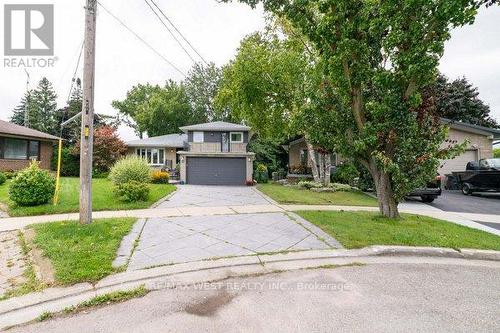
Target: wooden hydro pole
87, 113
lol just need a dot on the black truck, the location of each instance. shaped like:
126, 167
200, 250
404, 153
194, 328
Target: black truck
482, 176
430, 192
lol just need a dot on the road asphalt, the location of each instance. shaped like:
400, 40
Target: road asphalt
370, 298
479, 203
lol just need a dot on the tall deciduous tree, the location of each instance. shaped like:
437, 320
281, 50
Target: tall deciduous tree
267, 86
202, 85
156, 110
377, 57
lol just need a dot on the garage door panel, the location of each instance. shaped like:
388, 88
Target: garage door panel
458, 163
216, 171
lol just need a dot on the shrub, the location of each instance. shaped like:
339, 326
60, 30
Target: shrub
32, 186
9, 174
341, 187
309, 184
160, 177
70, 164
261, 174
130, 168
300, 170
345, 174
3, 178
132, 191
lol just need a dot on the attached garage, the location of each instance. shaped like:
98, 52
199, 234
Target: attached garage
216, 170
458, 163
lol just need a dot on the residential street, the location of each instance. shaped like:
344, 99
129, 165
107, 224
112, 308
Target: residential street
374, 298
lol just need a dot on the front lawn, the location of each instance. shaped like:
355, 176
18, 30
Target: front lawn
294, 195
103, 198
81, 253
360, 229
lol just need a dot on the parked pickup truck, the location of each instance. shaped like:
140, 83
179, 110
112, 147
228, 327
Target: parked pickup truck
482, 176
430, 192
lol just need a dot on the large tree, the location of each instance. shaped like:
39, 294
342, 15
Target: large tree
377, 57
459, 100
268, 84
42, 106
156, 110
202, 85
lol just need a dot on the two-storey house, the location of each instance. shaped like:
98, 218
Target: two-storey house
207, 154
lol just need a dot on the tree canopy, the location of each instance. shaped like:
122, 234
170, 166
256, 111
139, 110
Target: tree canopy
376, 58
156, 110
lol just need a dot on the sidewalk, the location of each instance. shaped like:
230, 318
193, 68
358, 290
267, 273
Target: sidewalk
466, 219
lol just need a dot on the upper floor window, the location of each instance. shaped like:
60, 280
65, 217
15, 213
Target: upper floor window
236, 137
198, 137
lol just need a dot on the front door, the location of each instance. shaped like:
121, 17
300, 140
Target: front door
225, 142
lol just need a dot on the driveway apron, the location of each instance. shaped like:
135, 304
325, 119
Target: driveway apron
166, 241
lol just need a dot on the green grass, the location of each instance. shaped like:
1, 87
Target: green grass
81, 253
293, 195
103, 198
360, 229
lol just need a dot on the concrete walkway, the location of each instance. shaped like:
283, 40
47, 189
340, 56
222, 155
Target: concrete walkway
16, 223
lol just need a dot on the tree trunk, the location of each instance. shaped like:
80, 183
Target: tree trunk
312, 161
328, 166
387, 204
321, 167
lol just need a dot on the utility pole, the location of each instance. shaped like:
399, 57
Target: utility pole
87, 137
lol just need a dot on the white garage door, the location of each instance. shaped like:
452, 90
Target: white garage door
458, 163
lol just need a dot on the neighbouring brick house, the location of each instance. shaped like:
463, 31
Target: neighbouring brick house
19, 145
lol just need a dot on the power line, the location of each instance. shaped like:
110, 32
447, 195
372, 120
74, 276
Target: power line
141, 39
74, 73
180, 33
169, 31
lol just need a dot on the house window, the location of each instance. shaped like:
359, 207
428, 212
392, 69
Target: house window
236, 137
197, 136
303, 157
19, 149
154, 156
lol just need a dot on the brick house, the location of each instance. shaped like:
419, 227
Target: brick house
19, 145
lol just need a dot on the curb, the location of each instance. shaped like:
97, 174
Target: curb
26, 308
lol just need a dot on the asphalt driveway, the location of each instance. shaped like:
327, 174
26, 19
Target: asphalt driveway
478, 203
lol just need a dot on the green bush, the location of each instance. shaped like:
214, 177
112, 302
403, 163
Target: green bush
346, 173
10, 174
160, 177
309, 184
70, 163
3, 178
261, 174
32, 186
341, 187
132, 191
130, 168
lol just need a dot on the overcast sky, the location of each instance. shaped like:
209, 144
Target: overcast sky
215, 30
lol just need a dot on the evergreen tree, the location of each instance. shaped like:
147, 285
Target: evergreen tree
18, 114
43, 115
459, 100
